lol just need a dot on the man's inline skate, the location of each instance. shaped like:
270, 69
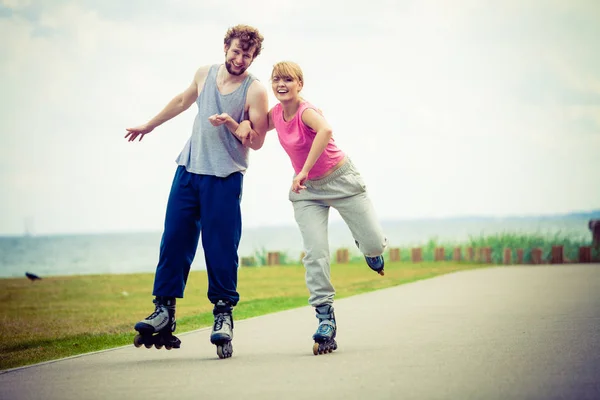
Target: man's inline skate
324, 337
157, 329
222, 332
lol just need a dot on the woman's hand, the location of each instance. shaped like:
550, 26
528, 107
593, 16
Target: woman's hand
299, 180
245, 133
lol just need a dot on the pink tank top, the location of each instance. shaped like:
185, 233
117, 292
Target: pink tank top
296, 138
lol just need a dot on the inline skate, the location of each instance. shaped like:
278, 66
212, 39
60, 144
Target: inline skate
324, 337
222, 332
375, 263
157, 329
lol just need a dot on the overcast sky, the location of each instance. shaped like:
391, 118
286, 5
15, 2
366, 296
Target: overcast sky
447, 107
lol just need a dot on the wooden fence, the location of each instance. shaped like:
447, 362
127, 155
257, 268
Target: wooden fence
479, 255
586, 254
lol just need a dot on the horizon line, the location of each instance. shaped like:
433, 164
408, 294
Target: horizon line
588, 213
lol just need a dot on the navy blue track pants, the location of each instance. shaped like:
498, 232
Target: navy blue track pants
210, 206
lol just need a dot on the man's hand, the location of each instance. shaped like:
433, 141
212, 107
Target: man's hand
298, 183
219, 119
133, 133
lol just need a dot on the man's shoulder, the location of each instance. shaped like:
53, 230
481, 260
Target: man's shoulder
203, 70
256, 88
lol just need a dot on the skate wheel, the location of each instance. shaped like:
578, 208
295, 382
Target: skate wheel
168, 347
137, 341
175, 343
324, 348
225, 350
158, 346
148, 345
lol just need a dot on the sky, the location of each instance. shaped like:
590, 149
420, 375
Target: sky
447, 107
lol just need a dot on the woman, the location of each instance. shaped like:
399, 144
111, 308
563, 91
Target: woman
324, 177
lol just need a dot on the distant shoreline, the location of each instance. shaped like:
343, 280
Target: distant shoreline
124, 253
576, 215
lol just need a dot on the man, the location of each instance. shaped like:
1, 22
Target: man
594, 226
207, 187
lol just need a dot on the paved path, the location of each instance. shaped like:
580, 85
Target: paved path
498, 333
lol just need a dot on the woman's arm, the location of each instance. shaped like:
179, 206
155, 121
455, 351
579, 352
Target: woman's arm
324, 133
319, 124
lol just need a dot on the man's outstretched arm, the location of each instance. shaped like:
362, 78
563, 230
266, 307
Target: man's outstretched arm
176, 106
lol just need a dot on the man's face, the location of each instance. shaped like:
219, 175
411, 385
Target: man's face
237, 60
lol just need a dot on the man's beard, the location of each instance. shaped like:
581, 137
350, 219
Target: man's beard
229, 66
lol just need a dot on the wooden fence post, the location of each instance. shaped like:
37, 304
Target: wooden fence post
470, 254
273, 258
248, 261
520, 256
342, 256
507, 259
394, 255
536, 256
487, 255
478, 256
416, 254
457, 256
557, 255
439, 254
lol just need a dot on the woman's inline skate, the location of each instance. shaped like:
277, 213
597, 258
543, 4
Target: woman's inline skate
324, 337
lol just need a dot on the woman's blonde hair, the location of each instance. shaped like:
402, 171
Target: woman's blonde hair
288, 69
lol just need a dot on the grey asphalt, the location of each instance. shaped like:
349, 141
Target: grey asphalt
519, 332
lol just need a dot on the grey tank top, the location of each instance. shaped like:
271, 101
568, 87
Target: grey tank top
213, 150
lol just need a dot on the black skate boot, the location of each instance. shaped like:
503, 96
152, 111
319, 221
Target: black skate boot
324, 337
157, 329
222, 332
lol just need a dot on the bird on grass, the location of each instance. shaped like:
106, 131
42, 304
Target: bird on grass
32, 277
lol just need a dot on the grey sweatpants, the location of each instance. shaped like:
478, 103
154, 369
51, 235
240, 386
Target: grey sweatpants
344, 190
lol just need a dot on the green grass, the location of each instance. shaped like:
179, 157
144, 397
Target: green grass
64, 316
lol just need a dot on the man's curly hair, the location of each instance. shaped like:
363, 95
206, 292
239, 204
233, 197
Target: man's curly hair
249, 37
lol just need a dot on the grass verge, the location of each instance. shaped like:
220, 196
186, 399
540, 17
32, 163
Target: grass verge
64, 316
